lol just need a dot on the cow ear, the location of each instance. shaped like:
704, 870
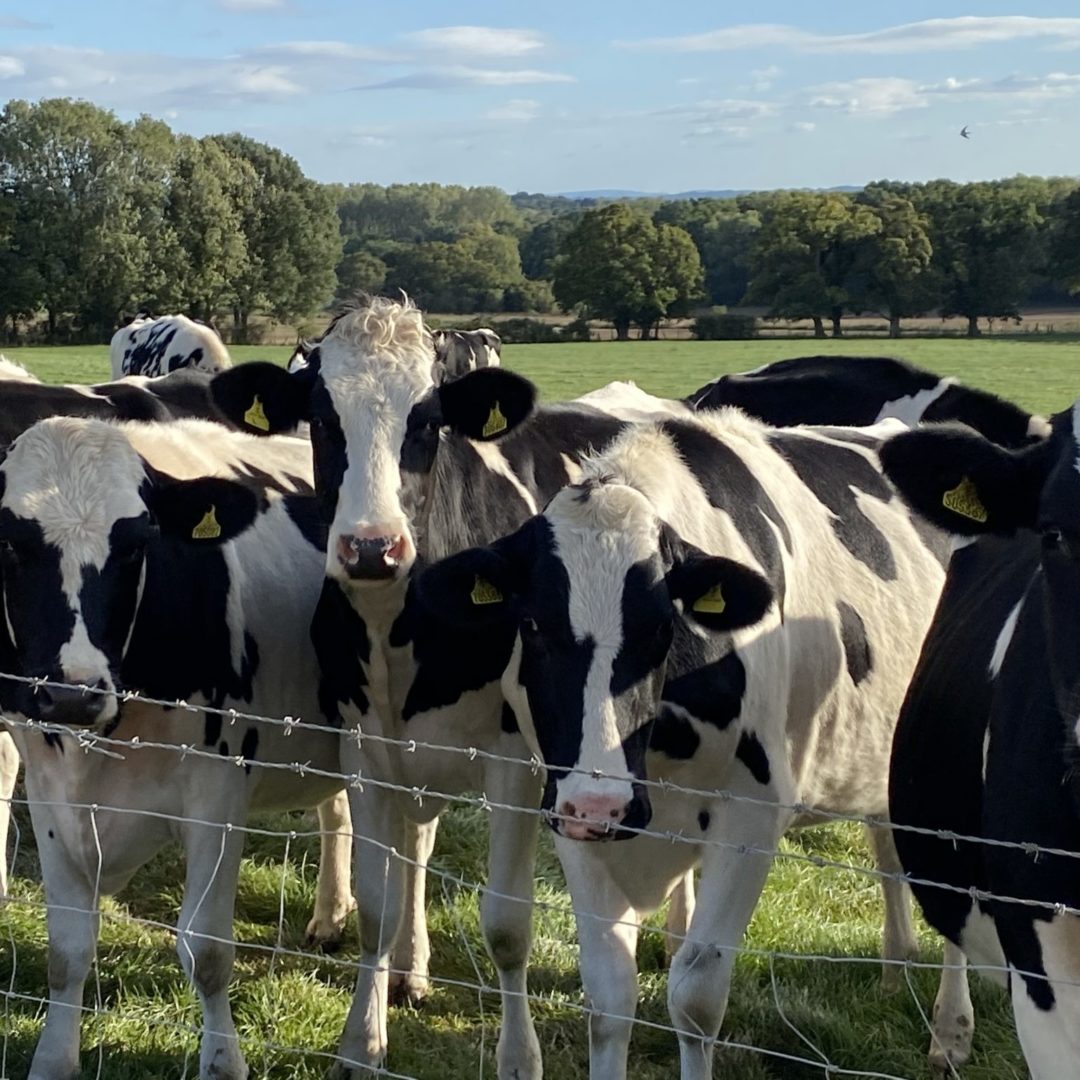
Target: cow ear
963, 483
486, 404
718, 593
474, 587
204, 512
262, 398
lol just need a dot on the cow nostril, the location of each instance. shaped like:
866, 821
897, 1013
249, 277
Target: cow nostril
569, 810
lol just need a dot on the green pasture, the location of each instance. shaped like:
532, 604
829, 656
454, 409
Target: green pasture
290, 1010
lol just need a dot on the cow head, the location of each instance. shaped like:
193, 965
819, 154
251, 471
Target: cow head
592, 590
79, 512
374, 396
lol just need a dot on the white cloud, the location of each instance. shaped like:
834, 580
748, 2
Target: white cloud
731, 133
877, 96
478, 41
763, 78
333, 50
259, 82
1057, 84
251, 7
519, 110
965, 32
802, 127
11, 67
714, 109
17, 22
449, 78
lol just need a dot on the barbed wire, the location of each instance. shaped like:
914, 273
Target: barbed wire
89, 739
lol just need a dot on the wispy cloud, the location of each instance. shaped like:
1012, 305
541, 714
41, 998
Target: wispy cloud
876, 96
11, 67
477, 41
937, 35
802, 127
252, 7
333, 50
518, 110
17, 22
450, 78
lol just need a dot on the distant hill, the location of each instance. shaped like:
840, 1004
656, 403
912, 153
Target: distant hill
702, 193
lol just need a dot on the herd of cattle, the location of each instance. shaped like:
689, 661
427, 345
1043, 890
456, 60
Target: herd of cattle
829, 585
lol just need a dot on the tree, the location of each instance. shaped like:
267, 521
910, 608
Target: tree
618, 265
1066, 244
894, 262
359, 272
805, 258
540, 245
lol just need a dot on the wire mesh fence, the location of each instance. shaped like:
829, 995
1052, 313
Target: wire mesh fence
807, 995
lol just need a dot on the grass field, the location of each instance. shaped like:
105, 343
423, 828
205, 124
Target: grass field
151, 1017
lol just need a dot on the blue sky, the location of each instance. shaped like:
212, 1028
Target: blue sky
592, 94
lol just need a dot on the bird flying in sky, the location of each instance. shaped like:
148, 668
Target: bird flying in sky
965, 132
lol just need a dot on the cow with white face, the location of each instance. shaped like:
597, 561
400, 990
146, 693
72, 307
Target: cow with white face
719, 605
182, 561
462, 351
155, 346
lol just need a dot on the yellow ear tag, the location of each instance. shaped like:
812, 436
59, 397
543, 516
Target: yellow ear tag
964, 500
710, 603
484, 592
496, 422
208, 528
255, 416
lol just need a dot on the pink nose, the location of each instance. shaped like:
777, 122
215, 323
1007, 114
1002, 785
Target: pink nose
592, 817
372, 552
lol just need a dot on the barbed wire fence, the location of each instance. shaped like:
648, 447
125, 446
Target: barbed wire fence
22, 1000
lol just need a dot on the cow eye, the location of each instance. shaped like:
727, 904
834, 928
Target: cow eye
7, 548
1066, 541
528, 624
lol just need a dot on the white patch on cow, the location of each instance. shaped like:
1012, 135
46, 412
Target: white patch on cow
376, 365
9, 369
1039, 427
573, 469
910, 409
1076, 431
628, 401
156, 346
1004, 638
495, 462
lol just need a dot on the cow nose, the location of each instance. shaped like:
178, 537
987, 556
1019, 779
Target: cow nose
592, 817
71, 705
375, 557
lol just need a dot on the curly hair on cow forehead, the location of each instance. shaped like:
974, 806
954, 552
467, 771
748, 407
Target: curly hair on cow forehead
378, 322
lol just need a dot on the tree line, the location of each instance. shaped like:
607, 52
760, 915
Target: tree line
99, 218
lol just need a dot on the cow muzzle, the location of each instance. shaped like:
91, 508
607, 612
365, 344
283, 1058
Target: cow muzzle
602, 816
74, 706
373, 554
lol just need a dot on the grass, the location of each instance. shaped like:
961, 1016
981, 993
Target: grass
290, 1011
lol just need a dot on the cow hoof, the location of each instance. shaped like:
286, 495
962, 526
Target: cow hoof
892, 978
950, 1049
410, 990
326, 933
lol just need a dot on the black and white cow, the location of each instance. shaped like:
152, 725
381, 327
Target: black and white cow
862, 390
184, 561
988, 742
155, 346
717, 604
462, 351
9, 369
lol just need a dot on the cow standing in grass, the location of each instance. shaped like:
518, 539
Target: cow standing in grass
182, 561
718, 605
156, 346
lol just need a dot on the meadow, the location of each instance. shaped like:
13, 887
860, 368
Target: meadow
290, 1008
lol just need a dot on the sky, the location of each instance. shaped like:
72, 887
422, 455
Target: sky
571, 96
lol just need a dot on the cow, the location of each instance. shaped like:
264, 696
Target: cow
716, 605
9, 369
182, 561
411, 470
860, 390
987, 744
462, 351
156, 346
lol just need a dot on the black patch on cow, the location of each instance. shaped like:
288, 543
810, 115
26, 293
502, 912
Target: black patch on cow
51, 835
1000, 421
508, 721
305, 513
341, 643
223, 748
831, 472
938, 543
212, 729
752, 754
730, 486
712, 692
52, 738
860, 661
329, 449
703, 819
647, 616
249, 746
674, 736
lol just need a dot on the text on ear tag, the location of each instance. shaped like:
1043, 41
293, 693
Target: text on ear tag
256, 417
710, 603
496, 422
484, 592
208, 528
964, 500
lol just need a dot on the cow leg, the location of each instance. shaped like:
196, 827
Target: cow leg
899, 943
334, 901
379, 878
9, 769
731, 882
408, 983
506, 914
73, 935
607, 929
204, 942
680, 912
954, 1018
